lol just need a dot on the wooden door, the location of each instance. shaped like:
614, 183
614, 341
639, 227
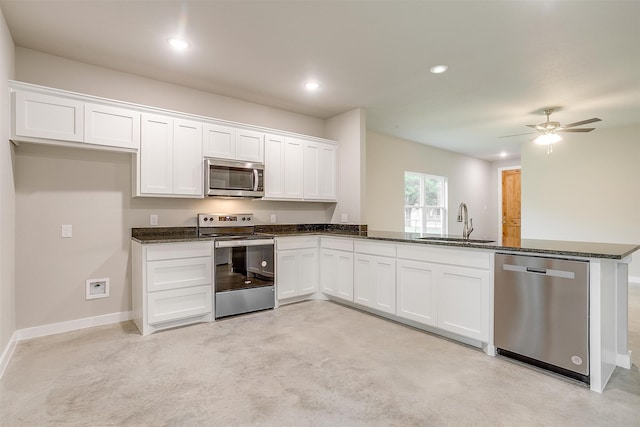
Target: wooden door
511, 207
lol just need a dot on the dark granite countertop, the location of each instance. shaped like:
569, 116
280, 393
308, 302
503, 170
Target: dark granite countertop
532, 246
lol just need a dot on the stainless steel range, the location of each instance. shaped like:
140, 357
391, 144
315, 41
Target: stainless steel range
244, 264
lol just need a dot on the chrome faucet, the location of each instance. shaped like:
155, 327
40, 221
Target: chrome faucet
463, 215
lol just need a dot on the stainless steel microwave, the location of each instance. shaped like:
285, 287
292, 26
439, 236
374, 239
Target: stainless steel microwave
229, 178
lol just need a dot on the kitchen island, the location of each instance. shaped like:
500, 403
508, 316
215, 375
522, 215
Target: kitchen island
608, 277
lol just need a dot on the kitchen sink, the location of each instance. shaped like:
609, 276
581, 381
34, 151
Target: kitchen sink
455, 239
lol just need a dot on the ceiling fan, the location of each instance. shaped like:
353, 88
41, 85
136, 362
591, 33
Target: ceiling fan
549, 130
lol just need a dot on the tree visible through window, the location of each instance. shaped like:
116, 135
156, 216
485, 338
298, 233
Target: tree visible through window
425, 203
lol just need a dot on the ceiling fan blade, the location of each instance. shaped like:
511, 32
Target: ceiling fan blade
583, 122
532, 126
517, 134
576, 130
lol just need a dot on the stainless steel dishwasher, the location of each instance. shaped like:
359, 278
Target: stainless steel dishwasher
541, 312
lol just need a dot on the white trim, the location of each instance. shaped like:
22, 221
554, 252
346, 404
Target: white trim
8, 353
500, 170
73, 325
634, 280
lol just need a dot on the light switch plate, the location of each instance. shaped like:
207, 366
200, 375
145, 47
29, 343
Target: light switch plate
153, 219
67, 231
273, 218
344, 217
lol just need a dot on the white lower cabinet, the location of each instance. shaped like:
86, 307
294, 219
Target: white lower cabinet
445, 288
296, 266
417, 297
172, 285
336, 267
375, 276
463, 301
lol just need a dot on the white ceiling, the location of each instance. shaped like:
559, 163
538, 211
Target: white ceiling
507, 59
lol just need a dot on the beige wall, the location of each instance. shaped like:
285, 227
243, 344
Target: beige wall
586, 190
469, 180
91, 190
7, 194
349, 129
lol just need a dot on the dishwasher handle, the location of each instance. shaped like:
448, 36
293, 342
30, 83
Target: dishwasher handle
539, 270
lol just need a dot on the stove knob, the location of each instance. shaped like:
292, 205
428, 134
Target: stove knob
211, 219
206, 219
248, 218
244, 219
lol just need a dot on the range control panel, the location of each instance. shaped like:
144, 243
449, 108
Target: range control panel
225, 220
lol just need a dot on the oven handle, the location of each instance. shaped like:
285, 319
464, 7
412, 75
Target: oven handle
236, 243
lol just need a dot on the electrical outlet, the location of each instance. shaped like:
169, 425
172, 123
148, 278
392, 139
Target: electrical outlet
67, 231
97, 288
273, 218
344, 217
153, 219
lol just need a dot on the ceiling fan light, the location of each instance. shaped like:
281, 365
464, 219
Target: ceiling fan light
548, 138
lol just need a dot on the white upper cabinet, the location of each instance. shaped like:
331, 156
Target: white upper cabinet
156, 155
299, 169
187, 158
283, 157
219, 141
227, 142
170, 159
249, 146
49, 117
111, 126
320, 162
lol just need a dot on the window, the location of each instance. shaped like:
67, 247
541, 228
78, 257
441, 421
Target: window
425, 203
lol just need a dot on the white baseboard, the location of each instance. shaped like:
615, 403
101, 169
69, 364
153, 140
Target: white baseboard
7, 353
73, 325
634, 280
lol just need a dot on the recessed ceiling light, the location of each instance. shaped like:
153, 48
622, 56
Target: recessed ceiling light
178, 44
438, 69
503, 154
312, 85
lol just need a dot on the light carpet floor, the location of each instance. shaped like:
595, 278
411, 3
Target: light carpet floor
312, 363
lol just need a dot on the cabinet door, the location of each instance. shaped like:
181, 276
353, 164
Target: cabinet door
219, 141
187, 158
287, 272
111, 126
293, 168
311, 168
156, 155
417, 292
375, 282
249, 146
463, 301
308, 272
336, 273
363, 280
274, 166
327, 173
50, 117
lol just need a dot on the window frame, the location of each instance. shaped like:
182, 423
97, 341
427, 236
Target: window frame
444, 208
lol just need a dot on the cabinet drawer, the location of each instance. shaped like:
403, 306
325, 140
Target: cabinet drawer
178, 273
459, 257
178, 250
337, 244
298, 242
380, 249
178, 304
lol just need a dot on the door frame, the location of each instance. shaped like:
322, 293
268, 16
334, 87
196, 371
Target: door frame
500, 170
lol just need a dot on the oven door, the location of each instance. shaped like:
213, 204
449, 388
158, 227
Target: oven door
233, 179
244, 278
